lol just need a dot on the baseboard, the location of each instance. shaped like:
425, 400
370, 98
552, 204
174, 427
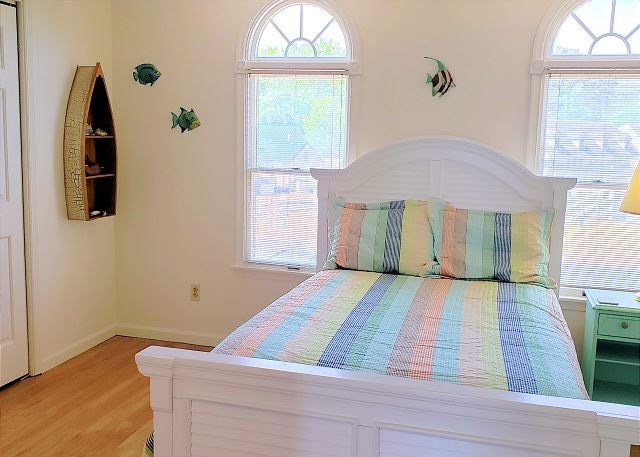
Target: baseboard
168, 334
75, 349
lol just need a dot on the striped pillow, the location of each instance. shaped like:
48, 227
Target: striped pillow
390, 237
507, 247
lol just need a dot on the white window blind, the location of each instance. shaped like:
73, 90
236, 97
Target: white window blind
295, 122
591, 131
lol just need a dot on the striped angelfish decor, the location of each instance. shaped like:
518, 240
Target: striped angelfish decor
389, 237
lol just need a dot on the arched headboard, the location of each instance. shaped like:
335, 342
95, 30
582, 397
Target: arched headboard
463, 172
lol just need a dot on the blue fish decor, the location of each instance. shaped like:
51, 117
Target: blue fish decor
442, 81
186, 120
146, 73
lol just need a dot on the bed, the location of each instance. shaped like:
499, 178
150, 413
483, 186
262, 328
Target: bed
478, 333
477, 367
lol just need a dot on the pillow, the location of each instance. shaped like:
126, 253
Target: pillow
389, 237
508, 247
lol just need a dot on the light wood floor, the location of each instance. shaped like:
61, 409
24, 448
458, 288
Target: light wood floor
94, 405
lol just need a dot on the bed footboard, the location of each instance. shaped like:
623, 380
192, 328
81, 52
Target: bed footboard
206, 404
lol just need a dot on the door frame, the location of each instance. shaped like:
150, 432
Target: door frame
29, 166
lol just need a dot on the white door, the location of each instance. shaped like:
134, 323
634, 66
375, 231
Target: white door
13, 299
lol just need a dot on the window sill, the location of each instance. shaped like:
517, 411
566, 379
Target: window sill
271, 271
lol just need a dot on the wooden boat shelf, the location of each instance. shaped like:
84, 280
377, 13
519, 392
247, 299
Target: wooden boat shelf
89, 105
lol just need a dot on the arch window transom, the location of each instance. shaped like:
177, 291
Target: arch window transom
301, 30
600, 28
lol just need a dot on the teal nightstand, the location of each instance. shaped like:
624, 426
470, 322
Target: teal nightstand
611, 351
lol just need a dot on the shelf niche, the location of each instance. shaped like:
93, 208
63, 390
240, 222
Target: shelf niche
89, 104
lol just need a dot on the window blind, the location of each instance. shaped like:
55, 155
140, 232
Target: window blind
591, 131
297, 122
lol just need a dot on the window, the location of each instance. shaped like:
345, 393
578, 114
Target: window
590, 129
297, 83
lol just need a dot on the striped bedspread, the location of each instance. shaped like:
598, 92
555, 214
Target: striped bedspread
479, 333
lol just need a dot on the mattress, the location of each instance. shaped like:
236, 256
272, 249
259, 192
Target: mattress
479, 333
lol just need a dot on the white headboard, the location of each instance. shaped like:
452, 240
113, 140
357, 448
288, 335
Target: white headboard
463, 172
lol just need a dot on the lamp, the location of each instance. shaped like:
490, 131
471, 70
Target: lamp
631, 202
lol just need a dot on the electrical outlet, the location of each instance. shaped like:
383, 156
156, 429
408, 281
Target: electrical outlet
195, 292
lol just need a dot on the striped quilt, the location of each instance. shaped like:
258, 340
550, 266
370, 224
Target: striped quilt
479, 333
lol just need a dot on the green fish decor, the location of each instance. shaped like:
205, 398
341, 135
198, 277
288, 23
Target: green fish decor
186, 120
146, 73
442, 81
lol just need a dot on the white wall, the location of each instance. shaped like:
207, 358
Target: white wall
486, 44
177, 211
73, 302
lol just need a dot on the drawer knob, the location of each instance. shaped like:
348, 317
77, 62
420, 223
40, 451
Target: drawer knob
624, 325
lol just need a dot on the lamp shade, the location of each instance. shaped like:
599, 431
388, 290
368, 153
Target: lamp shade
631, 202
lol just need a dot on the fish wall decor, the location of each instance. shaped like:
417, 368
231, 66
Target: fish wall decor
441, 81
146, 73
186, 120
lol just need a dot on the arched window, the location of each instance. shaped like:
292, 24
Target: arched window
590, 129
300, 30
600, 28
298, 60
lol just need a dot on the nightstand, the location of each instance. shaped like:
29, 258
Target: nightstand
611, 351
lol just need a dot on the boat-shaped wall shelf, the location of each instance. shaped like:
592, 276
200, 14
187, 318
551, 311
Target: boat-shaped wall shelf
90, 152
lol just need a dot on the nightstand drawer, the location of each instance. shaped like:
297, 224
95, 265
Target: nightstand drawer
619, 326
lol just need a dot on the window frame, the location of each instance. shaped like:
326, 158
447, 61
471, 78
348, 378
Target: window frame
544, 63
249, 64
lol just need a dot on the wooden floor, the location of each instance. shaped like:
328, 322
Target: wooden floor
94, 405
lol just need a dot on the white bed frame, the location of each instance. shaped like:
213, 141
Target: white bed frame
207, 404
